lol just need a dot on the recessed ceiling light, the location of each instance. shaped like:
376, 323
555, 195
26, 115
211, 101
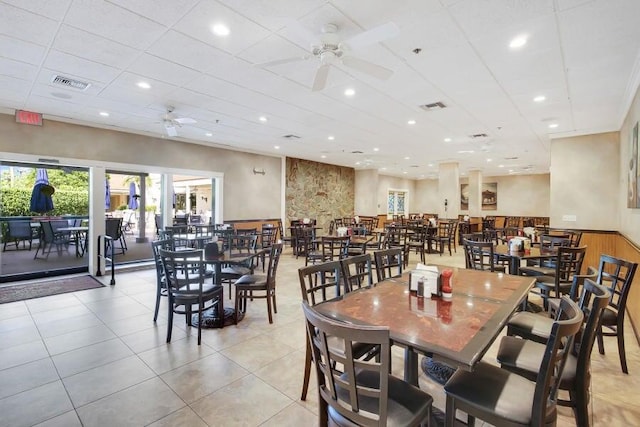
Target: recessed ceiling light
357, 163
383, 169
262, 119
405, 172
220, 30
488, 160
553, 125
323, 157
518, 42
349, 92
539, 98
208, 134
376, 149
500, 166
447, 140
430, 165
510, 170
465, 151
104, 114
277, 147
331, 137
407, 158
411, 122
144, 85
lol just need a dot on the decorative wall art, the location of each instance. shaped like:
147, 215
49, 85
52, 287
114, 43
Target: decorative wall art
489, 196
633, 199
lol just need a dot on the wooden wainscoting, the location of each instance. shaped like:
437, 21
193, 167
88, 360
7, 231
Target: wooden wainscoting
626, 249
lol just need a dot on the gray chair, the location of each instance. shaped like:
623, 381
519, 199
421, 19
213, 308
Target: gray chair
502, 398
18, 231
364, 394
524, 357
161, 280
356, 272
50, 238
113, 229
187, 292
480, 256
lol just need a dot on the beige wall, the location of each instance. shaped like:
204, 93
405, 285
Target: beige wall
246, 196
585, 177
629, 218
366, 192
427, 200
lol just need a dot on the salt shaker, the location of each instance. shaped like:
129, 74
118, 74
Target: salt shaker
420, 287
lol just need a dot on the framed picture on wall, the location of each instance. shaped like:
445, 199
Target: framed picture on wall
633, 199
464, 197
490, 196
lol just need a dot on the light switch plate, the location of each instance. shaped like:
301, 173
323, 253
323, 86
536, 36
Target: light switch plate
571, 218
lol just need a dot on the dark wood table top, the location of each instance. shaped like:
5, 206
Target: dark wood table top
534, 253
458, 330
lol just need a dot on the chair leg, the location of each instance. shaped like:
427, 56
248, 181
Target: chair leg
600, 341
307, 371
275, 308
200, 311
236, 306
158, 295
170, 322
269, 307
580, 402
621, 351
450, 412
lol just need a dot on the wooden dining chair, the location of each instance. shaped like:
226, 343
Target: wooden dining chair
356, 272
481, 256
524, 357
364, 393
502, 398
389, 263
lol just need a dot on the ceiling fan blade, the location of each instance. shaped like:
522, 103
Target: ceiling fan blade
320, 81
283, 61
373, 36
367, 67
185, 120
171, 130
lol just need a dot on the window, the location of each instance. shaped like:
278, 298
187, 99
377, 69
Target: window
397, 203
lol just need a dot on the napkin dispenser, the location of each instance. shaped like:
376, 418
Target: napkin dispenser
212, 249
519, 244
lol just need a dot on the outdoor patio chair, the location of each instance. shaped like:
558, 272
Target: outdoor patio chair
49, 237
18, 231
113, 229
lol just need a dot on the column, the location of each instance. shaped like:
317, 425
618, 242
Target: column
366, 193
97, 183
475, 193
448, 190
167, 199
142, 206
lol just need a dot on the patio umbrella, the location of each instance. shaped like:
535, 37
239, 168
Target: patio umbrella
41, 201
107, 195
133, 197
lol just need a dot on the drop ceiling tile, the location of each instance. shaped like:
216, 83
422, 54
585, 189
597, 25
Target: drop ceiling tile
369, 14
50, 9
243, 32
114, 23
166, 14
162, 70
17, 69
93, 48
273, 14
182, 49
86, 70
22, 51
273, 48
26, 26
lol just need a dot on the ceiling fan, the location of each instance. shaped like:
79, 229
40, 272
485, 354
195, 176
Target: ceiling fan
171, 122
332, 50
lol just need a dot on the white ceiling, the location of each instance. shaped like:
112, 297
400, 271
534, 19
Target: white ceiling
582, 55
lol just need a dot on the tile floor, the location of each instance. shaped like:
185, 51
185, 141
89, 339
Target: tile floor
95, 358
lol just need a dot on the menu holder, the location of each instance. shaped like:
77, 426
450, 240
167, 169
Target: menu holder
430, 277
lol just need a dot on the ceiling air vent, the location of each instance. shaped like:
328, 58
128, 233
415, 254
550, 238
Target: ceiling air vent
479, 135
356, 152
291, 136
69, 82
433, 106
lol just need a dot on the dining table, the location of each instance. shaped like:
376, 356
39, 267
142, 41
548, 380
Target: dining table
80, 237
515, 258
457, 330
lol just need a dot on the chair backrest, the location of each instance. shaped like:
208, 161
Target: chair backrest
334, 248
356, 271
341, 391
559, 345
274, 260
388, 263
320, 282
479, 255
19, 229
446, 229
512, 222
184, 270
195, 219
568, 263
395, 236
593, 300
268, 235
156, 245
617, 275
47, 231
244, 243
113, 227
551, 242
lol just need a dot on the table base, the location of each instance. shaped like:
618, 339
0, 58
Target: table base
210, 318
437, 371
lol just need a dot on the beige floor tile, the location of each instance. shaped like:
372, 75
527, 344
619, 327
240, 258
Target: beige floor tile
175, 354
96, 383
293, 415
13, 309
41, 317
139, 405
19, 336
257, 352
27, 376
54, 302
22, 353
68, 419
78, 339
58, 327
90, 357
202, 377
184, 417
34, 406
16, 322
248, 401
152, 337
